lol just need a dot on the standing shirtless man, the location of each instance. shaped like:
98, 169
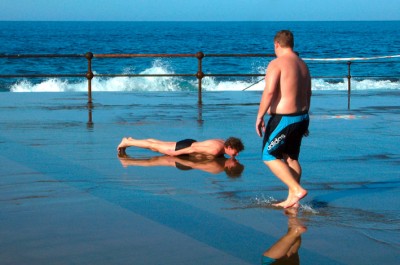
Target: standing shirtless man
286, 98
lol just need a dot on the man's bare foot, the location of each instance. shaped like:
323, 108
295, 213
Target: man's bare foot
292, 212
297, 229
292, 200
280, 204
124, 159
295, 198
123, 155
122, 146
283, 204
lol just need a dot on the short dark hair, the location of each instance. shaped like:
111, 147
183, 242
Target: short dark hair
284, 38
234, 172
234, 143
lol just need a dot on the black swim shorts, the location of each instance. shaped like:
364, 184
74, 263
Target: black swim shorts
184, 144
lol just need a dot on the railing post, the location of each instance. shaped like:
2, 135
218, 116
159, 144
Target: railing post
200, 75
89, 76
348, 84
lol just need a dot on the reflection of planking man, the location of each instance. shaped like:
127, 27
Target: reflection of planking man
217, 165
206, 149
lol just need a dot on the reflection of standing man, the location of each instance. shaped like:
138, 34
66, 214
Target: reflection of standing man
286, 98
286, 249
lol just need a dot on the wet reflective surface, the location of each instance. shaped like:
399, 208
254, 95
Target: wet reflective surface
66, 197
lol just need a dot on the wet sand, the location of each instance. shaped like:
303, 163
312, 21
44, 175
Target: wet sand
67, 198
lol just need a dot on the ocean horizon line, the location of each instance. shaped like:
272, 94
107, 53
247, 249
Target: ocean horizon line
203, 21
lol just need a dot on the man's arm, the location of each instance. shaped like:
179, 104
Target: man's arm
309, 93
185, 151
196, 149
272, 77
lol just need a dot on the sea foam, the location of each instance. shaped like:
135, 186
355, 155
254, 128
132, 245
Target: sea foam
177, 83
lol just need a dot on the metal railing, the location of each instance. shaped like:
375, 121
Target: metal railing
89, 75
199, 74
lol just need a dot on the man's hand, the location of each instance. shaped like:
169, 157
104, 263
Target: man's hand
260, 126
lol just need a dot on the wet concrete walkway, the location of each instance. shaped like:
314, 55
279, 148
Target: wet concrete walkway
66, 197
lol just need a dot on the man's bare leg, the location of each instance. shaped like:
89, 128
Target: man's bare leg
282, 170
295, 168
152, 144
122, 146
125, 143
290, 243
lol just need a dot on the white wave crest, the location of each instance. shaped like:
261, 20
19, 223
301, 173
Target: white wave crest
50, 85
173, 83
367, 84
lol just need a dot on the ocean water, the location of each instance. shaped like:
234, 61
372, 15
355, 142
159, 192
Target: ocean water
326, 47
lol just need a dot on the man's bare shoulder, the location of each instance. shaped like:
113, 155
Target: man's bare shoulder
212, 147
275, 65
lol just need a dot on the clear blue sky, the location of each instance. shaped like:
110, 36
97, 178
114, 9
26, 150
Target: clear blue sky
199, 10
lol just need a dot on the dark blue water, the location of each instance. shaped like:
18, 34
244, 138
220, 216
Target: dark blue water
313, 40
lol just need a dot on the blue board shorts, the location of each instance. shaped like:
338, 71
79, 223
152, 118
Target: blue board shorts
267, 260
283, 135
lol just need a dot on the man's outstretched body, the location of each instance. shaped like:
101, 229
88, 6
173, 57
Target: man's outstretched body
208, 148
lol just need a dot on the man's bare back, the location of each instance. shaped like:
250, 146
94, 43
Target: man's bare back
208, 148
291, 80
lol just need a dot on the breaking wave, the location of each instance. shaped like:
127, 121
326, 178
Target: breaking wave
173, 83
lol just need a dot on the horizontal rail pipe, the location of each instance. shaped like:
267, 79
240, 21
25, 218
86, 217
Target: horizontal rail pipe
42, 75
239, 55
21, 56
145, 75
138, 55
